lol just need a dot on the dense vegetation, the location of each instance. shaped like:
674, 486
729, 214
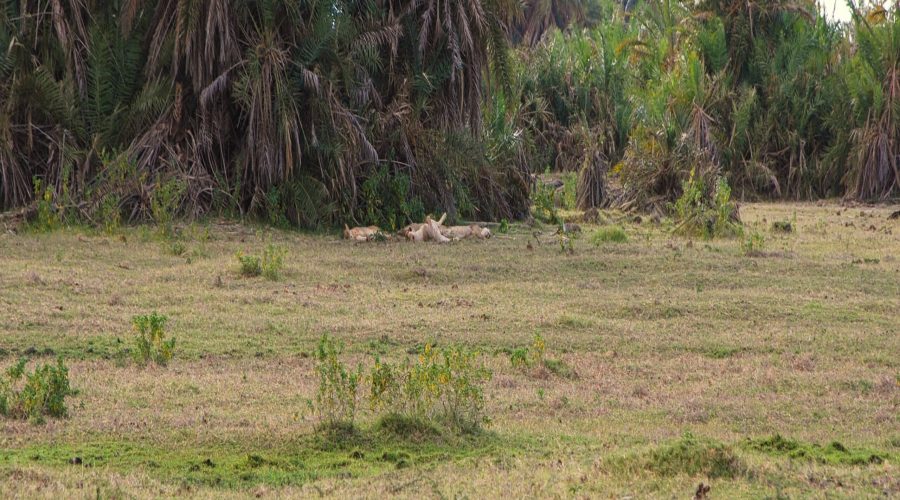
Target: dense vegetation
307, 112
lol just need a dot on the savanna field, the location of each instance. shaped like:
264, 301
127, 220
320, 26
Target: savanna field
763, 368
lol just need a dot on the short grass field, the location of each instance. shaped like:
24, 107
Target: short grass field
772, 371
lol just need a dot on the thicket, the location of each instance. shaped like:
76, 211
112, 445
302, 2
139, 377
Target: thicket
767, 96
444, 386
297, 111
378, 111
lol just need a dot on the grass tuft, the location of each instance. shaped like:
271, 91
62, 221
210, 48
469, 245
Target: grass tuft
609, 234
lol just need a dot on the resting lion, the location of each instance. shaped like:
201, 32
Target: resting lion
462, 232
360, 233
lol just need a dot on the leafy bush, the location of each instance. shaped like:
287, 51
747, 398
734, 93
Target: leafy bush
752, 243
610, 234
250, 265
701, 213
176, 248
268, 266
387, 201
518, 358
543, 198
164, 204
35, 395
150, 344
526, 357
569, 190
48, 217
445, 385
272, 262
336, 396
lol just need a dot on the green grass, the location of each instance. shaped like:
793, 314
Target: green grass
609, 234
241, 465
667, 362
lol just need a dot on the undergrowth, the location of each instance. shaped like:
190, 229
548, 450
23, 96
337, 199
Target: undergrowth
33, 396
151, 345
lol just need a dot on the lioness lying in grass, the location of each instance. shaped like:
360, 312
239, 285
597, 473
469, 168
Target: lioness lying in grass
360, 233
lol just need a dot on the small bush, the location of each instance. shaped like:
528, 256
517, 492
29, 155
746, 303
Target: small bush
109, 213
519, 358
272, 262
543, 199
48, 217
268, 266
530, 356
42, 393
566, 241
752, 244
610, 234
569, 190
701, 213
164, 204
445, 385
336, 396
151, 345
177, 248
250, 265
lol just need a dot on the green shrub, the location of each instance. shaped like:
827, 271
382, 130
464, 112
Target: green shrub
151, 345
445, 386
387, 200
250, 265
698, 212
164, 203
609, 234
543, 199
109, 214
176, 248
268, 266
752, 243
272, 262
35, 395
518, 358
48, 217
533, 355
335, 403
566, 242
569, 190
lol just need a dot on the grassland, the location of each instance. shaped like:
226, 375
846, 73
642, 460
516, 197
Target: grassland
776, 374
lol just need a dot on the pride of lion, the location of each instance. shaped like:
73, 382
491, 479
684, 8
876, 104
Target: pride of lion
430, 230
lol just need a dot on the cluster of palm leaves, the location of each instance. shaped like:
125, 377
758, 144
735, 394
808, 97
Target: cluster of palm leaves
270, 106
309, 111
767, 94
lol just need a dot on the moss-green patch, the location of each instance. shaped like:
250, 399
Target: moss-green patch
833, 453
234, 465
721, 351
689, 455
609, 234
406, 428
559, 368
